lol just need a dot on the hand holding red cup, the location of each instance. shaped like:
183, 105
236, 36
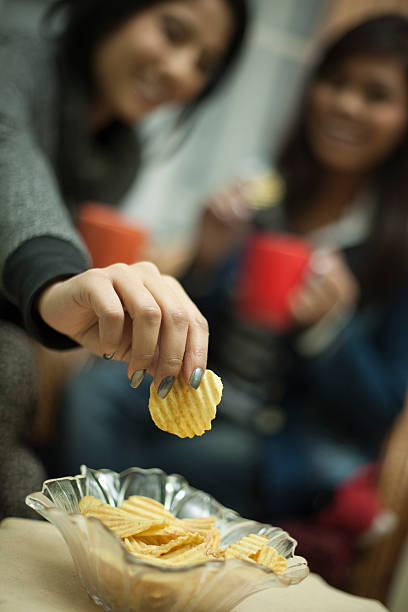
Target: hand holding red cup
273, 267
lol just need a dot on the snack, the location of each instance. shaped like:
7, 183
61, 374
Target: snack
153, 534
187, 412
265, 189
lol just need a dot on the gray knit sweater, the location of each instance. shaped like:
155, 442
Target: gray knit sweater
49, 163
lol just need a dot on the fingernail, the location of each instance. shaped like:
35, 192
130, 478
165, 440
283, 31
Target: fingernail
108, 356
165, 386
137, 378
196, 377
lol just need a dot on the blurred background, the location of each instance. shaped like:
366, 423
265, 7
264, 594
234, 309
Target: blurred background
241, 127
243, 122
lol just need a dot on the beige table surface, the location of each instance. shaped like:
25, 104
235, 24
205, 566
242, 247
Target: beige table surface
37, 575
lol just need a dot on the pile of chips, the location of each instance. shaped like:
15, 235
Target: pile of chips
153, 534
187, 412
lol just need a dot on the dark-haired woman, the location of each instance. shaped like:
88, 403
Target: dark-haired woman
335, 383
68, 107
303, 410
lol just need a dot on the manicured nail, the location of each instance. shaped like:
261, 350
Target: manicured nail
137, 378
165, 386
108, 356
196, 377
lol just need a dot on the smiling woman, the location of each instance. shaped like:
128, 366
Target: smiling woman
68, 108
357, 112
164, 55
302, 407
203, 36
135, 56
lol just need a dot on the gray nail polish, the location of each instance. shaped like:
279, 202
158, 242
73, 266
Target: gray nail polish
137, 378
165, 386
108, 356
196, 377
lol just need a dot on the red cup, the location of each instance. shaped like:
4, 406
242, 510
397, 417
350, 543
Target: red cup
273, 266
109, 236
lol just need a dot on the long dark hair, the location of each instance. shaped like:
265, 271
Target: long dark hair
87, 22
385, 35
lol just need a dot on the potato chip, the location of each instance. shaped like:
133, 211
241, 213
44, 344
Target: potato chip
145, 507
161, 536
212, 541
187, 554
199, 523
270, 557
136, 545
187, 412
151, 533
247, 546
87, 502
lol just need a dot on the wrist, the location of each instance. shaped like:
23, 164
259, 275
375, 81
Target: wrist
44, 294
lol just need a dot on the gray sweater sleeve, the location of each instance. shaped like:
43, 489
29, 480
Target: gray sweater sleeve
31, 204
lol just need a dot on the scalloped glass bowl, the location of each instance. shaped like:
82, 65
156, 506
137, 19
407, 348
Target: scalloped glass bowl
120, 582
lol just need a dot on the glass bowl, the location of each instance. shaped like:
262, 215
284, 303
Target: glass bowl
118, 581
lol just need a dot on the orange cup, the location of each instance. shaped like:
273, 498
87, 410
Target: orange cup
109, 236
273, 266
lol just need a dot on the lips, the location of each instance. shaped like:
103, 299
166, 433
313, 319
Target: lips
342, 133
152, 93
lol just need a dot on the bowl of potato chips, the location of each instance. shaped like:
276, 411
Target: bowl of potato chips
144, 540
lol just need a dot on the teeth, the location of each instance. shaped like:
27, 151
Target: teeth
341, 134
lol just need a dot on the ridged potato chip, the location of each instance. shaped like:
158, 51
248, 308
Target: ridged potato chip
151, 533
145, 507
245, 547
270, 557
187, 412
87, 502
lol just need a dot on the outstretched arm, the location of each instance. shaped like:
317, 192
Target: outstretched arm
141, 316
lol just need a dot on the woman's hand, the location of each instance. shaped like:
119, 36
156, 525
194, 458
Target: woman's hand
329, 287
134, 312
224, 224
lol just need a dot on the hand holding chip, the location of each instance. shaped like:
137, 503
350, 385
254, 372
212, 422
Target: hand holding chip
135, 313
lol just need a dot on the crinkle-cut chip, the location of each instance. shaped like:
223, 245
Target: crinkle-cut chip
246, 547
187, 554
212, 540
123, 523
135, 545
107, 511
152, 534
87, 502
124, 527
146, 507
199, 523
270, 557
166, 534
187, 412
